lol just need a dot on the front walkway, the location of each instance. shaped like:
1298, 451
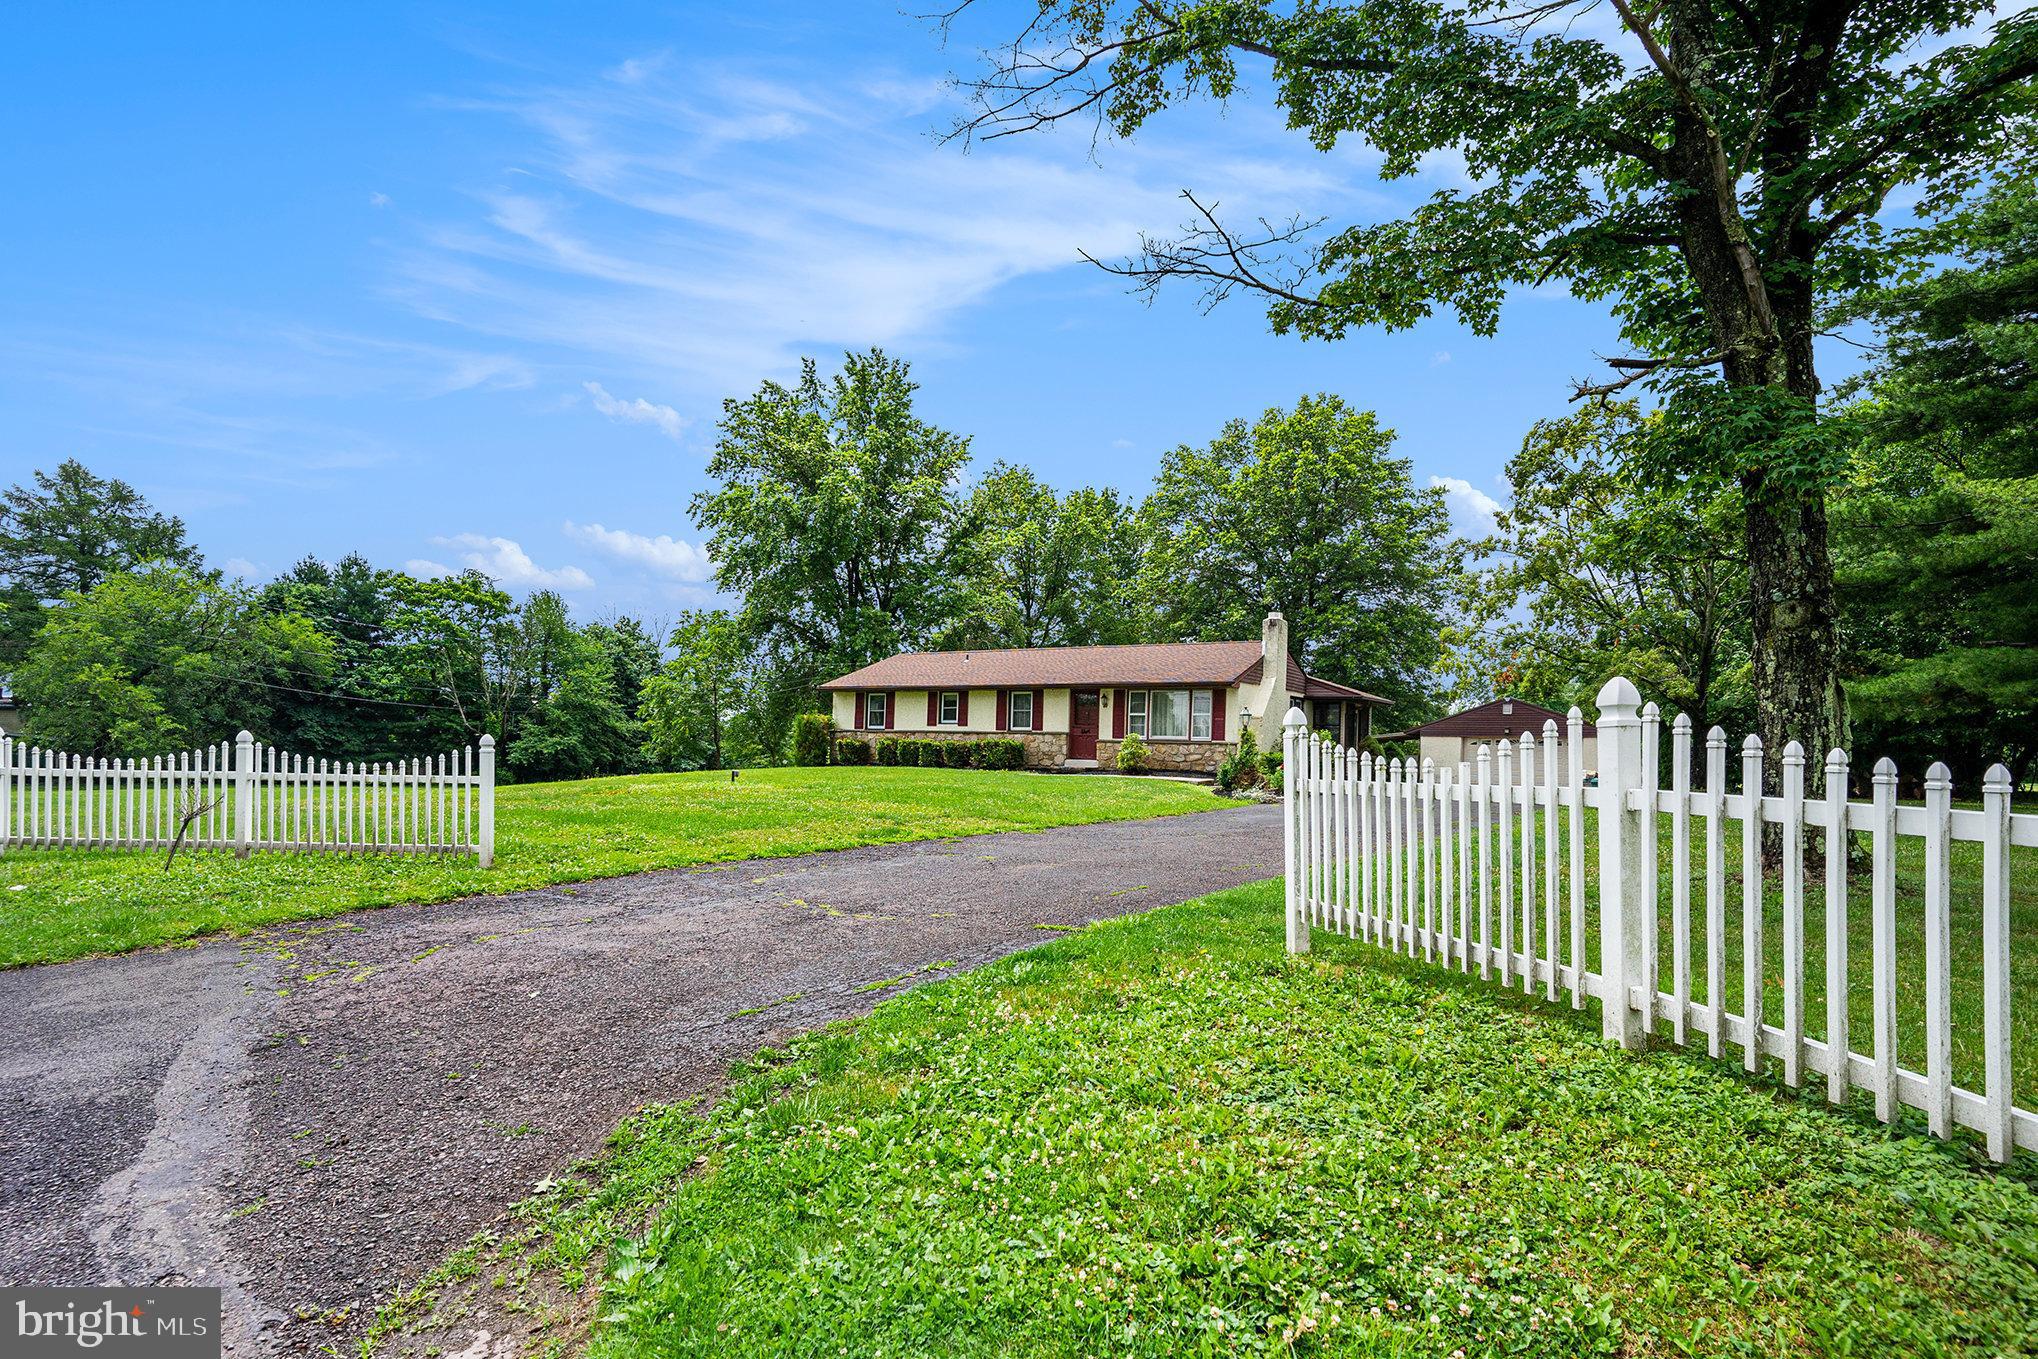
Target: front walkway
312, 1117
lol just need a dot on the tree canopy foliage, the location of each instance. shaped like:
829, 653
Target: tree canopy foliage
1306, 511
1714, 171
66, 533
1596, 572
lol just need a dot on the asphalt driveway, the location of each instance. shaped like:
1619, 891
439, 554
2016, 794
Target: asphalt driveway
312, 1117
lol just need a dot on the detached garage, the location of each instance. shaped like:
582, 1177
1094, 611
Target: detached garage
1449, 740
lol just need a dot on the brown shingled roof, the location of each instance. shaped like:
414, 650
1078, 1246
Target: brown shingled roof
1217, 663
1025, 667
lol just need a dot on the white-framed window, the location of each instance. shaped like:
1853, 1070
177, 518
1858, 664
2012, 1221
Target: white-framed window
951, 708
1020, 718
1135, 712
1168, 715
874, 711
1199, 715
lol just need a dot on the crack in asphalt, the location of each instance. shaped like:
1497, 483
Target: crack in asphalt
207, 1115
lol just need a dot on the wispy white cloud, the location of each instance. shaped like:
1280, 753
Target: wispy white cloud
1472, 507
1440, 358
701, 228
663, 555
502, 560
243, 569
665, 419
378, 199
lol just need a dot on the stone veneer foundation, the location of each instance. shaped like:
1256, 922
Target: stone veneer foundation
1200, 757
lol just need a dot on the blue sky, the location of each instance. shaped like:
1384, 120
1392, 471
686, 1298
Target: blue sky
466, 285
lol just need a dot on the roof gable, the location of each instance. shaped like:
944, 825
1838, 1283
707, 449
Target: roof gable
1502, 717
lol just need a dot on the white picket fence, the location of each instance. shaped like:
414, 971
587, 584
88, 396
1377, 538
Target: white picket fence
1444, 862
249, 796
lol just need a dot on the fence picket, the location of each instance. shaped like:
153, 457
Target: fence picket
1715, 889
1425, 816
1938, 946
1680, 876
1528, 862
1486, 871
1652, 784
1836, 926
1447, 874
1996, 1124
1574, 775
1503, 835
1550, 853
1793, 914
1464, 835
1751, 901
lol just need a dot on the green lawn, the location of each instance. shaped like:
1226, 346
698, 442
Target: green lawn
1965, 997
1160, 1136
59, 904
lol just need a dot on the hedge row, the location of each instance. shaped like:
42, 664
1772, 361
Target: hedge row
997, 752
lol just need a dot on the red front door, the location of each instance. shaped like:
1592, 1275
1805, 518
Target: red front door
1083, 724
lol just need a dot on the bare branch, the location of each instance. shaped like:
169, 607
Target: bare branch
1633, 370
1223, 261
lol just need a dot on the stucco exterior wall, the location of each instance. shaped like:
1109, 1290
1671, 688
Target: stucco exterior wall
845, 709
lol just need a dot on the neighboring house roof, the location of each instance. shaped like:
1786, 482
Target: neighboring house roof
1215, 663
1503, 717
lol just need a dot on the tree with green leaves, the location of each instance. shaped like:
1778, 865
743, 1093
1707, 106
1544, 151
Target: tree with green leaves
1937, 531
1043, 569
160, 660
1306, 511
1596, 572
689, 703
633, 658
66, 533
832, 516
1715, 172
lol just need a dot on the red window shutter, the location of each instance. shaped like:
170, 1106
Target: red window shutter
1039, 696
1004, 709
1218, 699
933, 707
962, 708
1118, 714
891, 710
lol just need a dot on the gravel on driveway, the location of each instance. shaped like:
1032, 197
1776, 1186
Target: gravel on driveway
314, 1116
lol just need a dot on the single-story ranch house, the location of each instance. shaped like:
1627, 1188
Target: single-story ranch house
1073, 706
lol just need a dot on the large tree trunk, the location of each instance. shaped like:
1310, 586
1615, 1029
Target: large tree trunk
1795, 623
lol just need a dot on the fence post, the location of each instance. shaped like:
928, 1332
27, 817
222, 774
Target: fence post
6, 790
487, 837
1293, 730
1623, 910
244, 793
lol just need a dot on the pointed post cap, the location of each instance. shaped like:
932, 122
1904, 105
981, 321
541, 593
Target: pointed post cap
1294, 721
486, 741
244, 736
1619, 698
